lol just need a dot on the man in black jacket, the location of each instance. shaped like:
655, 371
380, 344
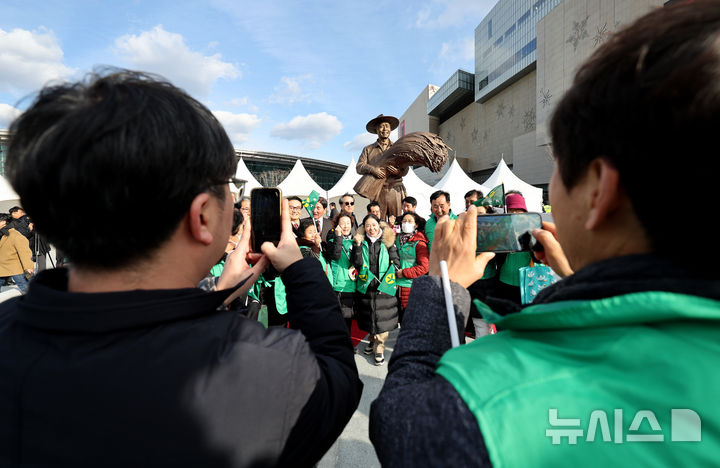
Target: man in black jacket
121, 360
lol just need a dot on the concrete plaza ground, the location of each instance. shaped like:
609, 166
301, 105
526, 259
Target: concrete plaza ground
353, 448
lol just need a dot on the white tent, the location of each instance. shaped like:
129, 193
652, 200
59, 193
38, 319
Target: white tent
503, 175
457, 183
346, 182
421, 191
6, 191
242, 172
299, 183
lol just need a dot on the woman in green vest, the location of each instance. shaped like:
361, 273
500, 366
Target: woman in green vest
375, 306
412, 245
309, 241
339, 241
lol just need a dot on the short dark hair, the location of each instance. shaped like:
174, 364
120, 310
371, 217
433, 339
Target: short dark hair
14, 209
6, 217
370, 216
323, 202
303, 225
643, 101
295, 197
332, 203
516, 192
337, 217
439, 194
371, 204
477, 193
116, 141
411, 200
348, 195
238, 219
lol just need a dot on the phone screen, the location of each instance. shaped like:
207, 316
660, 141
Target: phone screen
507, 232
265, 216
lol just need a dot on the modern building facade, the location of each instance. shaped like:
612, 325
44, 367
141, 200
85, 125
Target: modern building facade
4, 140
271, 168
526, 55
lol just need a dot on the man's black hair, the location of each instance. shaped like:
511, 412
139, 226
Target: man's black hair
114, 142
348, 195
439, 194
477, 193
14, 209
295, 197
371, 204
323, 201
646, 102
411, 200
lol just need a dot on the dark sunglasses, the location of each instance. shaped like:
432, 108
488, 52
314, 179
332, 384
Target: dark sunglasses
349, 203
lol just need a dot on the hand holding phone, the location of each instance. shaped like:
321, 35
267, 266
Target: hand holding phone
552, 254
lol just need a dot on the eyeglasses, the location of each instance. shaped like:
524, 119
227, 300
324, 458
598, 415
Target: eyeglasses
296, 208
238, 183
351, 203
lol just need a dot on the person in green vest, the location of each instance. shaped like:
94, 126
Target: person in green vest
310, 244
615, 364
414, 257
440, 206
375, 257
344, 274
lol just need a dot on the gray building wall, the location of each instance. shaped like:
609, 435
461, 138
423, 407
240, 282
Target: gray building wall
416, 118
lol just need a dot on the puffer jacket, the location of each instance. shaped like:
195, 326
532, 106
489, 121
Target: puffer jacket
375, 311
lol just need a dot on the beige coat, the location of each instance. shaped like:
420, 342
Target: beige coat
15, 254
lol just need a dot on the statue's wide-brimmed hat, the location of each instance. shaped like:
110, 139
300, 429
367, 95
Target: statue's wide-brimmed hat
373, 124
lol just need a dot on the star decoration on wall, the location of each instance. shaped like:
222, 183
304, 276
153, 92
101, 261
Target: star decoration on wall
485, 136
545, 97
475, 134
602, 35
500, 109
462, 124
511, 111
529, 120
579, 33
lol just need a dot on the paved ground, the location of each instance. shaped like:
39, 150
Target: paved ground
353, 448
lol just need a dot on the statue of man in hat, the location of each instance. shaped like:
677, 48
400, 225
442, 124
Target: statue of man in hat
393, 191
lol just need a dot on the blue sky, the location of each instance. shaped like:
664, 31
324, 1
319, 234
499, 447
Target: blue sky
300, 78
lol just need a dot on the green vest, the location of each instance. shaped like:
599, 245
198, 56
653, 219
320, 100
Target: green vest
430, 228
280, 296
629, 380
510, 271
340, 268
365, 276
407, 259
326, 268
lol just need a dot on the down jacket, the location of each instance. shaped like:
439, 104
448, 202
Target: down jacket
375, 311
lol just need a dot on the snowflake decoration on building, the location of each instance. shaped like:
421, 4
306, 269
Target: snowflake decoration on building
579, 33
511, 111
485, 136
529, 120
462, 124
500, 109
475, 134
545, 97
602, 35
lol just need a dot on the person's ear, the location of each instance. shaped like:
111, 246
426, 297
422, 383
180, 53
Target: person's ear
199, 218
605, 192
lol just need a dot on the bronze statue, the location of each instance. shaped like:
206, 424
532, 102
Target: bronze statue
383, 164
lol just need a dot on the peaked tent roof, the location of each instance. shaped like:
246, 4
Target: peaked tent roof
346, 182
299, 183
457, 183
6, 191
242, 172
503, 174
421, 191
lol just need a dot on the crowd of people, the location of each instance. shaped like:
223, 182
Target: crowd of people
17, 248
136, 356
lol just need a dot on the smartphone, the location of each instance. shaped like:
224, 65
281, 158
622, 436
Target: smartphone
265, 206
507, 232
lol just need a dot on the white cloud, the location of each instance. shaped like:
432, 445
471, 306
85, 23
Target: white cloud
449, 13
314, 128
237, 126
291, 91
363, 139
165, 53
462, 50
7, 115
29, 59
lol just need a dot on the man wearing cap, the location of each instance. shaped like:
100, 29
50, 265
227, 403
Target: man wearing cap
390, 199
